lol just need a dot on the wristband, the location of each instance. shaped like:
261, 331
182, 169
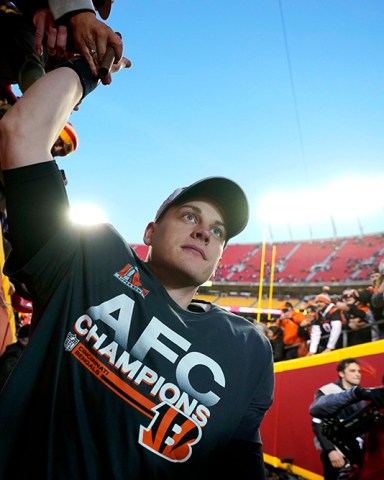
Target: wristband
88, 81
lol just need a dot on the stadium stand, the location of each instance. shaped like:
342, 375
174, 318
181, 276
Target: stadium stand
208, 298
300, 270
140, 250
304, 259
317, 261
236, 301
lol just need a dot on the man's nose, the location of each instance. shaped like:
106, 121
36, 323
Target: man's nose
202, 234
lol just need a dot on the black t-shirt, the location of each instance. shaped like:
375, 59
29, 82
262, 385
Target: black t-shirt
118, 381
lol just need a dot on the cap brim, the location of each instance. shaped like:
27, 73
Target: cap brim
226, 194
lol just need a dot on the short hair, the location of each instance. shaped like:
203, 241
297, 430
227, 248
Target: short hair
344, 364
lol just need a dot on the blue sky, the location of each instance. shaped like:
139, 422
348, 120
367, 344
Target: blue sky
286, 97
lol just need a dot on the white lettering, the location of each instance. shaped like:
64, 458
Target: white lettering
79, 328
146, 375
130, 369
121, 326
149, 339
186, 364
110, 351
169, 388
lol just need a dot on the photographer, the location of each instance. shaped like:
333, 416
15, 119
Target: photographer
343, 448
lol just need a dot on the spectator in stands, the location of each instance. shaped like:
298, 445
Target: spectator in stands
292, 338
377, 297
21, 305
310, 316
261, 326
357, 317
326, 328
275, 335
294, 315
19, 63
365, 302
66, 142
304, 330
88, 35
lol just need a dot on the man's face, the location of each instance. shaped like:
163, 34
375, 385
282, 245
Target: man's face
375, 277
321, 305
351, 375
186, 243
349, 300
311, 315
286, 313
61, 149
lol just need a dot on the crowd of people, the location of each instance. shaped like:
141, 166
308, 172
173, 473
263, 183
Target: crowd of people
329, 322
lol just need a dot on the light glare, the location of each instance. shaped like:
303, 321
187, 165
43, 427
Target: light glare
344, 199
87, 214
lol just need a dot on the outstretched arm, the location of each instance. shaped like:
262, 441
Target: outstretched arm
29, 129
35, 194
326, 405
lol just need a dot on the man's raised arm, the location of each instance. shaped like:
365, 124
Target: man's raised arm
29, 129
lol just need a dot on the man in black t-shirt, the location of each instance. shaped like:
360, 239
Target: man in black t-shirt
125, 376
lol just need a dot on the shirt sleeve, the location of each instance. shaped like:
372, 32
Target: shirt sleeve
330, 404
377, 300
336, 327
37, 205
59, 8
315, 338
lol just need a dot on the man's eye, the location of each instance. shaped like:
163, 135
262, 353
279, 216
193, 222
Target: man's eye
218, 232
190, 217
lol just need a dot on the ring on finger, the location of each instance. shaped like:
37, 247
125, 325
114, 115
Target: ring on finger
92, 52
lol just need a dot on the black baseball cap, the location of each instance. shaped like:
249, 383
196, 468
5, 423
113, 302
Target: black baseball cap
227, 194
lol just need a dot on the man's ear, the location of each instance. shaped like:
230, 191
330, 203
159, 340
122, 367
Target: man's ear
150, 228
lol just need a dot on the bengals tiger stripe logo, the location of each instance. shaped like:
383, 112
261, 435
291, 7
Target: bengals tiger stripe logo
171, 433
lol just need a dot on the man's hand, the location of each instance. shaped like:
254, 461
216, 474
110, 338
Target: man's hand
356, 323
56, 36
336, 458
91, 38
116, 67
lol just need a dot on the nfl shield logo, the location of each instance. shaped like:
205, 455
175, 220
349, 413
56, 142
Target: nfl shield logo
71, 341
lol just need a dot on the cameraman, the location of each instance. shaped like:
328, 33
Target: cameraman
341, 400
